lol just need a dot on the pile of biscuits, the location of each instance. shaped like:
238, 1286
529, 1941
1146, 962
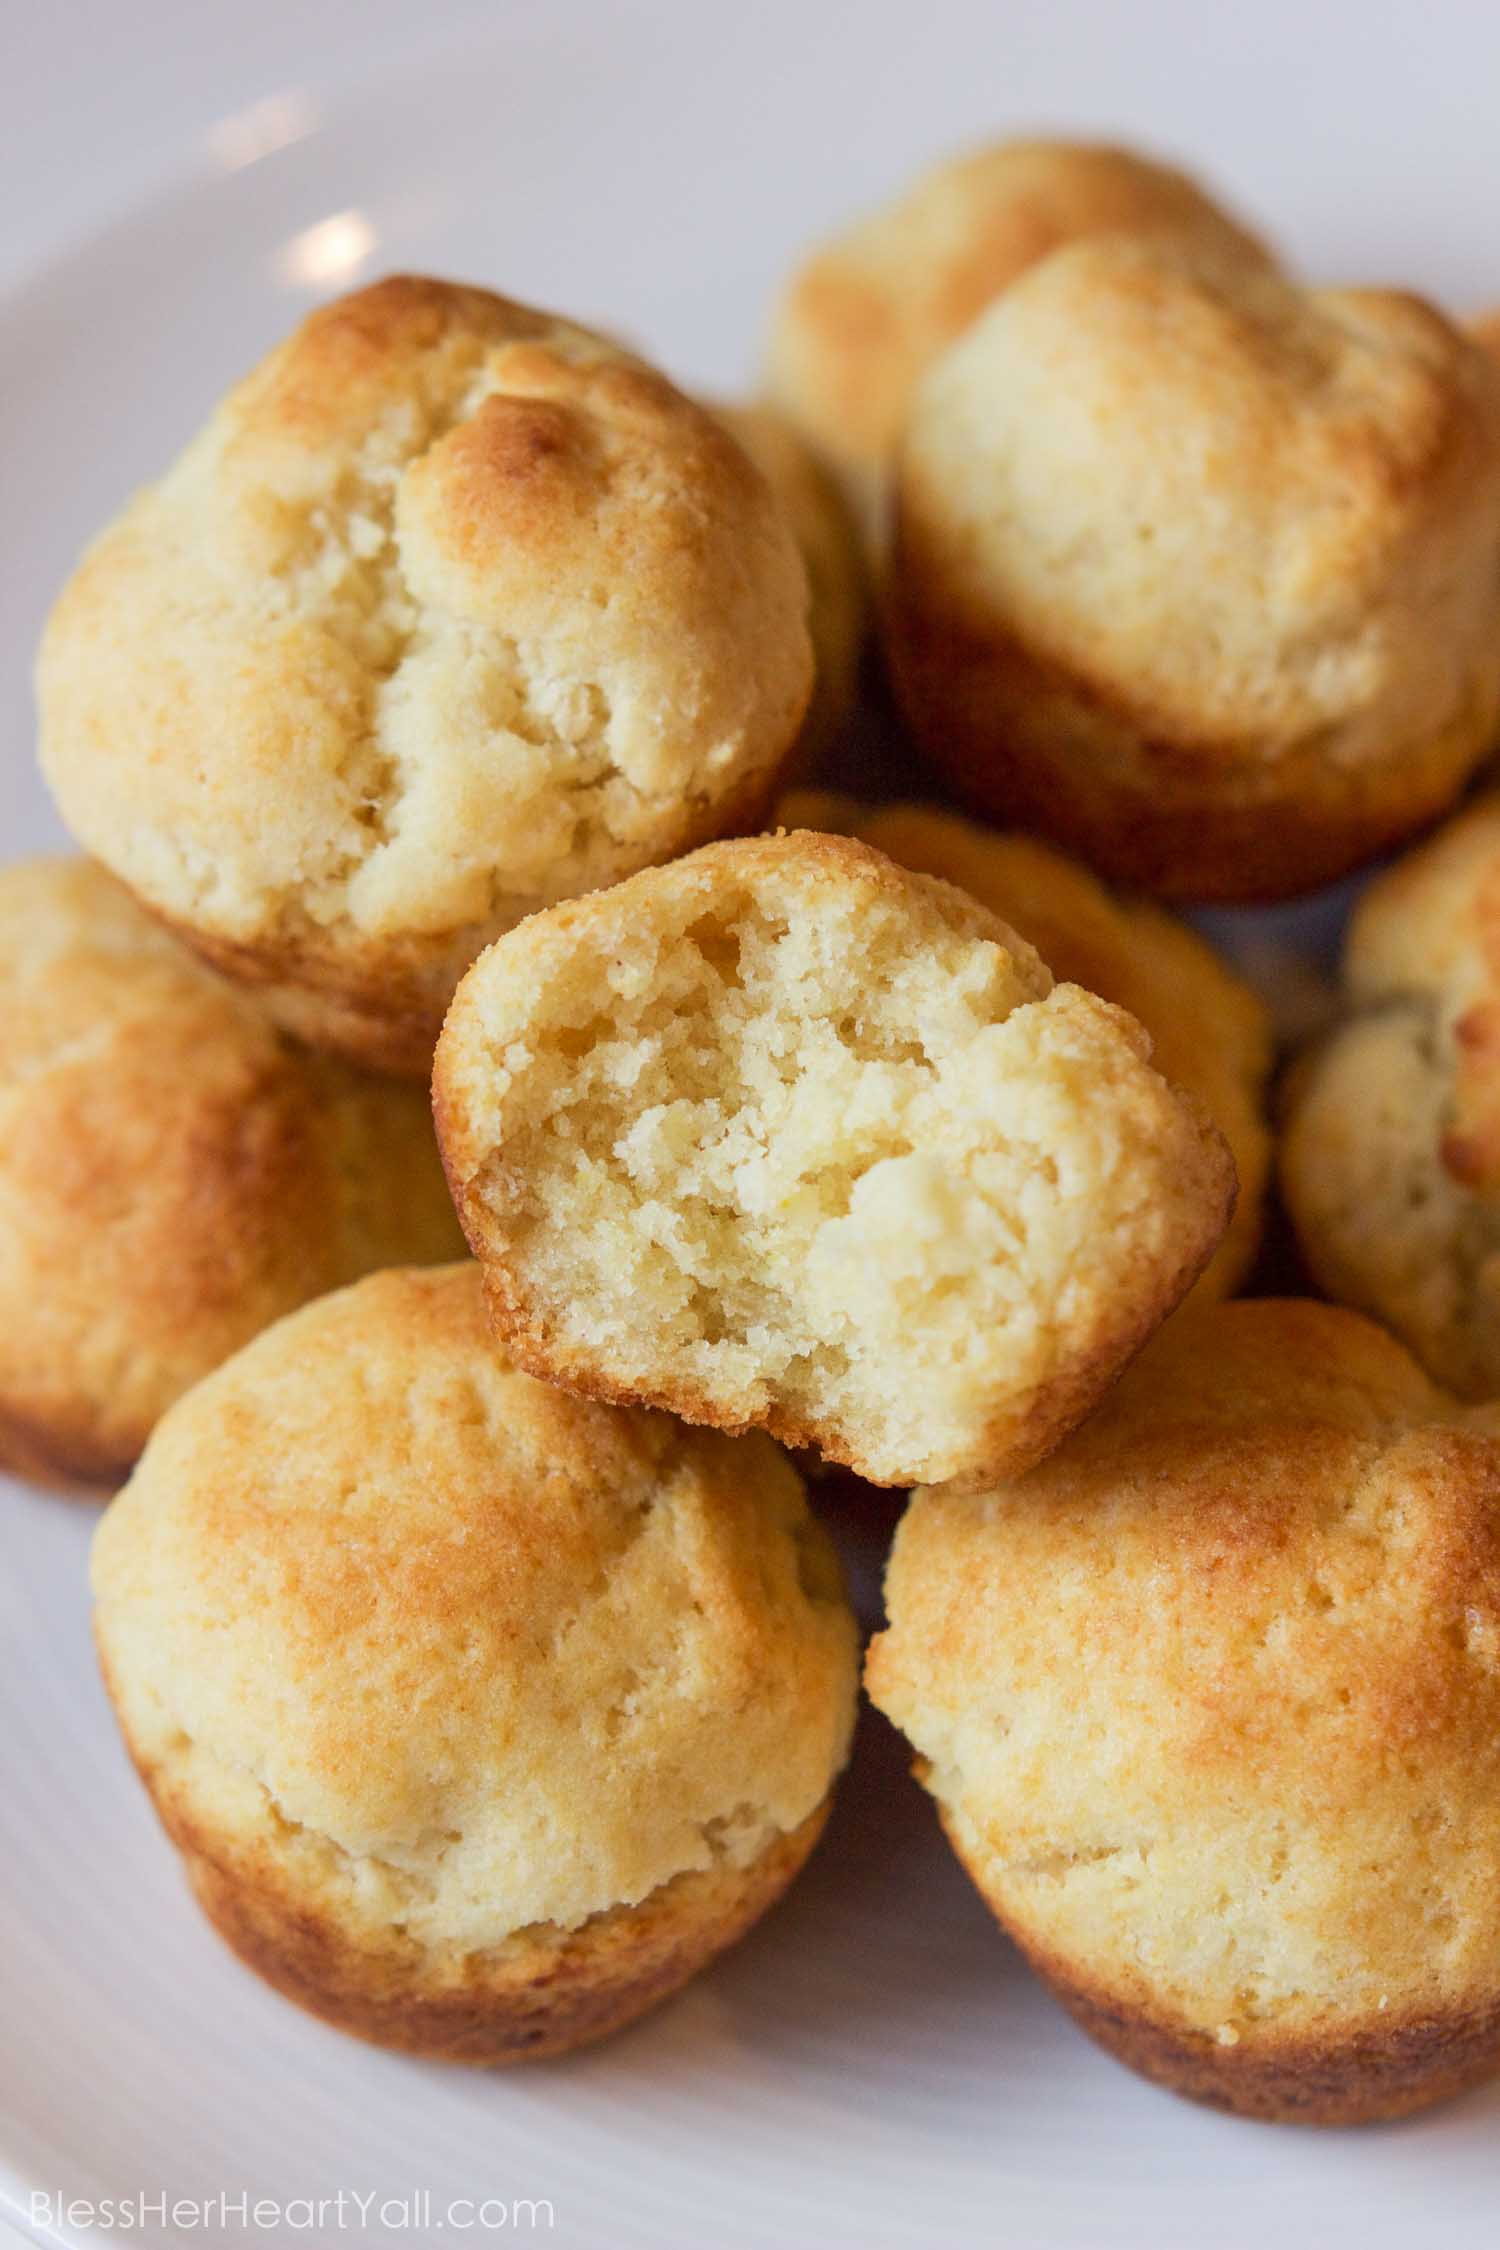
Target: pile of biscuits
469, 708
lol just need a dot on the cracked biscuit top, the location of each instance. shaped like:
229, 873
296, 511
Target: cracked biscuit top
1391, 1159
451, 610
1211, 1700
456, 1651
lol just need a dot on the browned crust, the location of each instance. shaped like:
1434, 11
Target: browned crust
1030, 741
64, 1457
856, 328
376, 1015
1378, 2068
543, 1992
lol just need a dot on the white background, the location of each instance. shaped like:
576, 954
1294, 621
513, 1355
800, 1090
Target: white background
1364, 130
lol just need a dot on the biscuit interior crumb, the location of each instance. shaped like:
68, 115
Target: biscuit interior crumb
810, 1164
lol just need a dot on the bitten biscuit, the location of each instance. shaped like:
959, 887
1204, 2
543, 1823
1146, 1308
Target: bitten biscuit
452, 610
867, 314
1390, 1162
783, 1136
1209, 1031
482, 1717
837, 580
1210, 1706
174, 1173
1196, 572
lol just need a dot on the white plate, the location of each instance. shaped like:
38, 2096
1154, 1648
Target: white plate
873, 2067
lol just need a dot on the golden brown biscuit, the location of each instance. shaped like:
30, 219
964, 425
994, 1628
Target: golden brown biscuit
450, 611
174, 1172
1196, 572
1390, 1162
783, 1136
838, 582
1210, 1705
482, 1716
1210, 1033
864, 318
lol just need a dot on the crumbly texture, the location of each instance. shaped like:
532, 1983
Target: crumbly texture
450, 611
1195, 570
1209, 1031
785, 1136
429, 1667
175, 1172
828, 538
865, 316
1390, 1160
1210, 1704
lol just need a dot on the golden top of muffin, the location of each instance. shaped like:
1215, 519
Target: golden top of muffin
451, 609
1391, 1160
1211, 1699
174, 1173
865, 316
466, 1652
785, 1135
1233, 513
1210, 1033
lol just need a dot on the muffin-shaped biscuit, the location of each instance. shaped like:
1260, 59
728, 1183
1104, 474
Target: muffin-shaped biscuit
837, 580
1209, 1031
174, 1172
866, 315
1197, 572
482, 1716
1210, 1705
1391, 1157
785, 1136
451, 610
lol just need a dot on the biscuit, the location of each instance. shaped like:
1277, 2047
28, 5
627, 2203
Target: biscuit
833, 557
451, 610
1195, 571
782, 1136
1210, 1706
1390, 1160
867, 314
175, 1173
1209, 1031
482, 1716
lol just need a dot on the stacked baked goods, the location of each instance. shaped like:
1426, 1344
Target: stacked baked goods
430, 724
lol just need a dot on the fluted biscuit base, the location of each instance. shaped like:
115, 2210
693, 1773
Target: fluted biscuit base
1380, 2068
543, 1992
